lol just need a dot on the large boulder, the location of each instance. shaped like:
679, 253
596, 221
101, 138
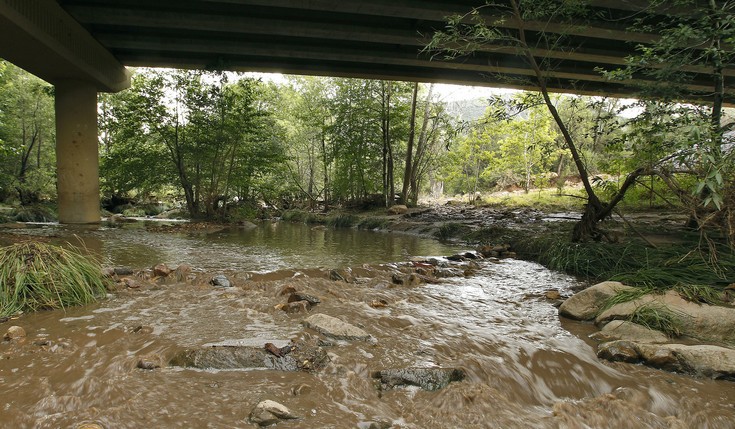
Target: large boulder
624, 330
586, 304
702, 360
335, 328
703, 322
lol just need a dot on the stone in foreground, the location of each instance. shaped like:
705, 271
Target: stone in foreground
335, 328
269, 412
586, 304
425, 378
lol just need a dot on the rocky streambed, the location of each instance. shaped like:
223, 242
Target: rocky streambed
426, 343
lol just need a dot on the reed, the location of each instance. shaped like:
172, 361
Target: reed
36, 276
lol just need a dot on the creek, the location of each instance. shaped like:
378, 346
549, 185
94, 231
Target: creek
525, 368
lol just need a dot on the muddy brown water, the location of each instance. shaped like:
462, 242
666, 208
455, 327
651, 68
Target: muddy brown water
525, 367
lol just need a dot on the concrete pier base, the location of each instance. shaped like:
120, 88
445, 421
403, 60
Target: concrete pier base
77, 162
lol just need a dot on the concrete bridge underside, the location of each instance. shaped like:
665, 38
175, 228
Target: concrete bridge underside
83, 46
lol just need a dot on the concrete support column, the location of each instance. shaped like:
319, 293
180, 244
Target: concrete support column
77, 160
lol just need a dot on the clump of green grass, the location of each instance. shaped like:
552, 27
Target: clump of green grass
660, 318
372, 223
342, 220
34, 213
632, 263
36, 276
700, 293
449, 230
627, 295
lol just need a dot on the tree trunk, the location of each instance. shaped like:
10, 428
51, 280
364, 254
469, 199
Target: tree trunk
409, 149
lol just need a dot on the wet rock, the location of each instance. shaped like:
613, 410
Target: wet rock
131, 283
508, 255
302, 356
269, 412
149, 362
552, 294
456, 258
619, 351
587, 304
294, 307
220, 280
14, 333
378, 303
701, 360
425, 378
161, 270
335, 328
299, 296
700, 321
301, 389
624, 330
182, 273
123, 271
410, 280
107, 272
398, 209
336, 276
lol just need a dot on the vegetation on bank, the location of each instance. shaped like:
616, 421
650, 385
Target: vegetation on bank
37, 276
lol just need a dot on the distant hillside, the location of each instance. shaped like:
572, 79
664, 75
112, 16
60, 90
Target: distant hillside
467, 110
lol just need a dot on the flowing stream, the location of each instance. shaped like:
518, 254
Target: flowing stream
525, 367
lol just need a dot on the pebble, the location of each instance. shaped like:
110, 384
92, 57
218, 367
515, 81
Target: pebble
14, 332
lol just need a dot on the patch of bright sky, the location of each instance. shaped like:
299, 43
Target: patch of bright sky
449, 93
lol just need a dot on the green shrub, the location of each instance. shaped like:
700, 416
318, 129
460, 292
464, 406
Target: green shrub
36, 276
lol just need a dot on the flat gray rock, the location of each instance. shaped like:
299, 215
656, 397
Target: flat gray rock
335, 328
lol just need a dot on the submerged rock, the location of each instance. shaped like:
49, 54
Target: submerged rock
587, 304
334, 328
299, 296
302, 356
425, 378
269, 412
702, 360
220, 280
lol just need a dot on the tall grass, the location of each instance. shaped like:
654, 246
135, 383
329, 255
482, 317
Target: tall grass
632, 263
36, 276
